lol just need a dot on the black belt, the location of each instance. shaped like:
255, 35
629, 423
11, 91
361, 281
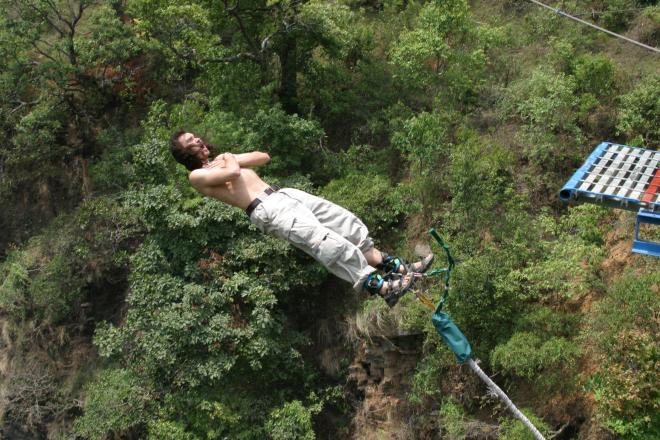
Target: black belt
254, 203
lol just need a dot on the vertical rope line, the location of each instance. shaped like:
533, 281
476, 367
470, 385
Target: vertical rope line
504, 398
560, 12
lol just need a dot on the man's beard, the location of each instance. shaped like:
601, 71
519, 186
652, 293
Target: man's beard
211, 150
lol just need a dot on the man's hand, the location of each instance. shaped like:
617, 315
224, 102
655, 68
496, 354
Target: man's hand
218, 162
222, 169
231, 162
244, 160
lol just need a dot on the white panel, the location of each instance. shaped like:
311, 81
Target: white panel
594, 175
619, 176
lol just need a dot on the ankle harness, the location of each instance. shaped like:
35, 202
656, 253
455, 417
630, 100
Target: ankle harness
373, 284
390, 264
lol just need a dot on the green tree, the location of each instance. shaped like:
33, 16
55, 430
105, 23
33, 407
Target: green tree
625, 385
639, 117
263, 46
444, 51
57, 89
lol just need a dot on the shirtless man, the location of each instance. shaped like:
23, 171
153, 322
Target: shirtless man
332, 235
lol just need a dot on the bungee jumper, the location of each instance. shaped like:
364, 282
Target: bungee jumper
332, 235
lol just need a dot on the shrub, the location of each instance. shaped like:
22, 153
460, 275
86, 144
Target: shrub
423, 139
594, 74
292, 421
293, 142
198, 415
618, 14
33, 397
422, 52
445, 52
571, 260
513, 429
624, 328
453, 419
167, 430
533, 358
639, 116
631, 304
546, 323
483, 314
114, 403
46, 279
427, 382
545, 99
626, 387
479, 182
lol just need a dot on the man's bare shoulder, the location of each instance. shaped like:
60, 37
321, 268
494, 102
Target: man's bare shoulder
199, 178
196, 175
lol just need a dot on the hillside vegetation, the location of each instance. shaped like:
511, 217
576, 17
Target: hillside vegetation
131, 307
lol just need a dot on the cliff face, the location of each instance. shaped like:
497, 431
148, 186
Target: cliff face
382, 372
6, 347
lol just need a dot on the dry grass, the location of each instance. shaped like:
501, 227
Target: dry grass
375, 319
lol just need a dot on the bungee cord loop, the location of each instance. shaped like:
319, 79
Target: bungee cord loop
456, 340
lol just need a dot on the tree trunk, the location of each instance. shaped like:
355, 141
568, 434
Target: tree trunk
86, 188
288, 83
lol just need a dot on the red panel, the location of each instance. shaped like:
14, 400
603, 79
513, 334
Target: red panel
652, 189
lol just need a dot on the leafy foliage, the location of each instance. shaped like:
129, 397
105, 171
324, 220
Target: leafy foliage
528, 356
291, 421
639, 114
453, 418
544, 100
47, 280
512, 429
626, 384
378, 205
115, 403
444, 50
465, 116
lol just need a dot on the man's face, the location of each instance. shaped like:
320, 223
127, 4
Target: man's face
195, 145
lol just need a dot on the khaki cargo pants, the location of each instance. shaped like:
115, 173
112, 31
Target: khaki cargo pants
332, 235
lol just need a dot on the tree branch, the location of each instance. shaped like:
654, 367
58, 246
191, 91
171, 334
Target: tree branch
22, 104
40, 52
231, 58
233, 11
44, 16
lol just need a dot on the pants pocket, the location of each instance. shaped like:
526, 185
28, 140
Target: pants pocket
329, 250
260, 219
315, 240
303, 234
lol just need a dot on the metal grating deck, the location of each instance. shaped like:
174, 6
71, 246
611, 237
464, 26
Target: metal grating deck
619, 176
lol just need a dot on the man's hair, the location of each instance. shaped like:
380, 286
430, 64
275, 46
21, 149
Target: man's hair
183, 154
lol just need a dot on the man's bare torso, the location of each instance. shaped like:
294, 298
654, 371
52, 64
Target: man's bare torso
240, 191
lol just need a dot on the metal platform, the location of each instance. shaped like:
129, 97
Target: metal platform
619, 176
622, 177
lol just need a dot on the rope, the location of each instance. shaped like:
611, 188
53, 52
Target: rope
610, 11
456, 341
428, 302
504, 398
560, 12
